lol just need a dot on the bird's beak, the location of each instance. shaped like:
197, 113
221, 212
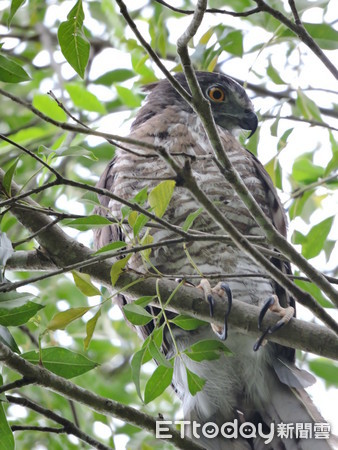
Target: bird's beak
249, 122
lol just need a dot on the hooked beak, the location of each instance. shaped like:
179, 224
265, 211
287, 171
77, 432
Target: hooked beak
249, 122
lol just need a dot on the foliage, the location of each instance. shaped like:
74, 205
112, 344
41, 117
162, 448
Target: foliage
85, 54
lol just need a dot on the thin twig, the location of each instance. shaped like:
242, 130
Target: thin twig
32, 155
299, 119
68, 426
300, 191
100, 404
75, 128
295, 12
37, 428
210, 10
30, 237
202, 108
302, 33
15, 384
302, 296
21, 196
7, 287
317, 340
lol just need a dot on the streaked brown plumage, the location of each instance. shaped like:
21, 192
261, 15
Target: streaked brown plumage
261, 387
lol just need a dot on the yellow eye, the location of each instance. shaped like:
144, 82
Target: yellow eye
216, 94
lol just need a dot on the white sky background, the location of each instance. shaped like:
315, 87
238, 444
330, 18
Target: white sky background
303, 139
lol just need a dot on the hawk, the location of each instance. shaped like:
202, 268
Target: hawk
262, 387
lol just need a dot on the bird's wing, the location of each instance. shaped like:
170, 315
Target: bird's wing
111, 233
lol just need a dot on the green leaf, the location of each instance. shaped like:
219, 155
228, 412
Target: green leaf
61, 361
191, 218
132, 218
49, 107
307, 107
274, 170
299, 203
90, 327
115, 76
195, 383
7, 438
315, 292
233, 43
188, 323
206, 36
11, 72
62, 319
128, 97
7, 339
84, 99
208, 349
316, 237
8, 177
332, 164
141, 197
326, 369
304, 171
157, 355
73, 42
147, 239
144, 301
136, 363
83, 282
140, 222
325, 35
157, 383
111, 247
136, 314
274, 74
16, 309
15, 5
117, 269
87, 223
284, 139
74, 150
160, 197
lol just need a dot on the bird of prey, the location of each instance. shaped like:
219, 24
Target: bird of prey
262, 387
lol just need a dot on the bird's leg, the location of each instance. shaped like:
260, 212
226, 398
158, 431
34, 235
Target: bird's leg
286, 314
220, 289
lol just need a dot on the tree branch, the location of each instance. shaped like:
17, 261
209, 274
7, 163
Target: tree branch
210, 10
67, 426
299, 29
202, 107
63, 251
44, 377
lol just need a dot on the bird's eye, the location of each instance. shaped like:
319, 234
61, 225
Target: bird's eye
216, 94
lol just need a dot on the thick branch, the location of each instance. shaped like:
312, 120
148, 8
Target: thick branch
100, 404
63, 250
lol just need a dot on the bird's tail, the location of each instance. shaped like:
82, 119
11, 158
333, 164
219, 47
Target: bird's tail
297, 423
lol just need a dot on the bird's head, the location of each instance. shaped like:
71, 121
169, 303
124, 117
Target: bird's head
231, 107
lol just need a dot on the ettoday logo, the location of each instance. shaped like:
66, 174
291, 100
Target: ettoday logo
246, 430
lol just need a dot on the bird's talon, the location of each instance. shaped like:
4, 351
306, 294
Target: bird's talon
272, 304
219, 289
267, 305
211, 302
